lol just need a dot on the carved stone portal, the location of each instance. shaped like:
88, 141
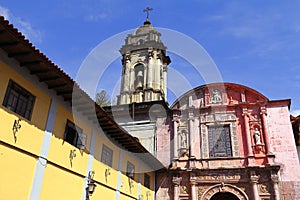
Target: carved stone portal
210, 192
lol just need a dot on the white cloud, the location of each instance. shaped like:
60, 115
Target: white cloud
4, 12
23, 26
97, 17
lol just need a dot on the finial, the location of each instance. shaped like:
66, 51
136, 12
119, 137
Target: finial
147, 10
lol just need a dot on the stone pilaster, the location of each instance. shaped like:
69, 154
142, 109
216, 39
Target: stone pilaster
165, 70
248, 135
150, 70
157, 73
126, 72
131, 80
191, 121
175, 139
270, 155
193, 186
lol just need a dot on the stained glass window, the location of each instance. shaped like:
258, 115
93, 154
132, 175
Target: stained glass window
219, 141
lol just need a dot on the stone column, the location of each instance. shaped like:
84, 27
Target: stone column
175, 139
254, 181
165, 69
191, 133
157, 73
131, 81
248, 135
150, 69
126, 72
193, 186
275, 181
176, 183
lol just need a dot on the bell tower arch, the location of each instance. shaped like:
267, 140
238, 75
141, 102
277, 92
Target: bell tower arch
144, 67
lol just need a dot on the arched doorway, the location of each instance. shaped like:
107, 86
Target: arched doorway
224, 196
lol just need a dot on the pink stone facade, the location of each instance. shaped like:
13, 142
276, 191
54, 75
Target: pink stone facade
227, 141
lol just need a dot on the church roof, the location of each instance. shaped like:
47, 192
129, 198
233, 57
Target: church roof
145, 29
144, 37
222, 86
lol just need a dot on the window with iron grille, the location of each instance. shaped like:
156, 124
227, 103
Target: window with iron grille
130, 170
18, 100
147, 181
107, 155
74, 135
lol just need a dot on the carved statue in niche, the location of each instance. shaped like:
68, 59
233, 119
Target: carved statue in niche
216, 96
257, 137
183, 139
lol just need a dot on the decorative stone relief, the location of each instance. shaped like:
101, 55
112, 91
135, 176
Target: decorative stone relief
220, 177
201, 191
216, 96
207, 195
263, 188
183, 189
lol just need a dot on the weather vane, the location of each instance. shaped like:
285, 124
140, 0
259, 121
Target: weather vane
147, 10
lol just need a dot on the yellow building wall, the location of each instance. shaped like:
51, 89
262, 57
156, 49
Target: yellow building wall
61, 152
151, 174
103, 192
124, 197
62, 116
28, 137
105, 174
102, 139
64, 176
16, 174
60, 184
145, 192
42, 100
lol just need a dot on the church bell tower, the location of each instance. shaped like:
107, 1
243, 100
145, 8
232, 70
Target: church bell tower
144, 66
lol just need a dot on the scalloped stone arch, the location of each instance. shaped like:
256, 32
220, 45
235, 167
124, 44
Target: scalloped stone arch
210, 192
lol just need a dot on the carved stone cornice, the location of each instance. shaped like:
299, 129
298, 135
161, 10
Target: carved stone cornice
263, 110
127, 57
245, 112
254, 179
150, 53
176, 180
274, 178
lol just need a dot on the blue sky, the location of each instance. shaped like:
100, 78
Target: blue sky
254, 43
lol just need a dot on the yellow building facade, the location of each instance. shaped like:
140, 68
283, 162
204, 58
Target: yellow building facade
54, 143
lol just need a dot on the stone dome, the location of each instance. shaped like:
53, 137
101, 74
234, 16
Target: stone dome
144, 29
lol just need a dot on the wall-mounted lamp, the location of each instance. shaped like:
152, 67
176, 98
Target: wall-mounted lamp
91, 184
